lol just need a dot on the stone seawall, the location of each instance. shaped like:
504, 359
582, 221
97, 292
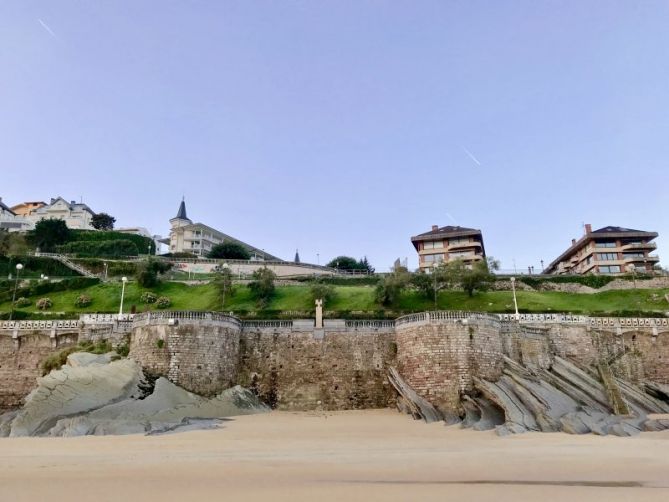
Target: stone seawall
328, 369
439, 358
201, 356
292, 365
21, 359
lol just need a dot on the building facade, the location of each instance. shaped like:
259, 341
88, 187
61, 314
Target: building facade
75, 215
25, 208
10, 221
609, 250
443, 244
198, 238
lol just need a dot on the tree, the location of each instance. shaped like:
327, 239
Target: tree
349, 263
50, 233
390, 288
12, 244
319, 290
479, 277
230, 251
223, 284
103, 221
149, 270
262, 286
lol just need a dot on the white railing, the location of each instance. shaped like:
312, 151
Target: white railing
29, 325
185, 315
267, 324
370, 324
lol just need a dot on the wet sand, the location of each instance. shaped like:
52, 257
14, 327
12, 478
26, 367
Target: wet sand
355, 455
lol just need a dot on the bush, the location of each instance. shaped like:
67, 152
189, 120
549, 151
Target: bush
148, 297
114, 268
148, 271
110, 249
262, 286
83, 301
123, 349
163, 302
33, 266
22, 302
160, 343
48, 234
57, 360
140, 241
44, 303
320, 290
229, 250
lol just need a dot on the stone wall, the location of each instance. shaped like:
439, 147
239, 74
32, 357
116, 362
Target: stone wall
199, 355
314, 369
21, 361
439, 359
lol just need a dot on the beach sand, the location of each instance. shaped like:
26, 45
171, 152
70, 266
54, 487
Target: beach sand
355, 455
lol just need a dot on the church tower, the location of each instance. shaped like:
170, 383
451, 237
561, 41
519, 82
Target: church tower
180, 219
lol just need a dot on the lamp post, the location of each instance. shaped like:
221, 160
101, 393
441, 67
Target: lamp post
515, 302
120, 310
435, 266
226, 271
16, 284
105, 264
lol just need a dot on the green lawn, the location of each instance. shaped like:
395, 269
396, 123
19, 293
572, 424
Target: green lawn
106, 298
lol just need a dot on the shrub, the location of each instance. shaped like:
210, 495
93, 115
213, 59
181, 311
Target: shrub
55, 361
111, 249
83, 301
22, 302
163, 302
44, 303
262, 286
148, 272
148, 297
160, 343
320, 290
229, 250
123, 349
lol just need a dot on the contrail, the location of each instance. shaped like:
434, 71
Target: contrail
471, 156
46, 27
451, 218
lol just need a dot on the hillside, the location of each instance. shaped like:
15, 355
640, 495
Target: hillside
350, 301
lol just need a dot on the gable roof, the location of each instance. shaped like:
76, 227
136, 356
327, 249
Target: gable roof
4, 207
72, 206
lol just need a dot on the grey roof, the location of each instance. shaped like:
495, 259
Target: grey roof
619, 230
181, 213
4, 207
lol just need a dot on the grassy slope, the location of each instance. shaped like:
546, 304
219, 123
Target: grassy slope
106, 298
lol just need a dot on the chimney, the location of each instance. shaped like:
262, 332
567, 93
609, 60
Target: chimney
588, 228
573, 242
53, 200
435, 228
73, 202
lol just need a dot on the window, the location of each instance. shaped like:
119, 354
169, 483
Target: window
609, 269
433, 244
607, 256
633, 255
605, 244
462, 254
431, 258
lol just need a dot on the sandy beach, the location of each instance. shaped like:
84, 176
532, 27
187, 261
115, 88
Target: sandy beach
355, 455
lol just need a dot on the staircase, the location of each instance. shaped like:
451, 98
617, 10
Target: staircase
68, 263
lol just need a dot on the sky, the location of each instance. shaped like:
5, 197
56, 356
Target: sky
344, 127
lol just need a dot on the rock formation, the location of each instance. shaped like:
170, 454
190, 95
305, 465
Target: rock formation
96, 395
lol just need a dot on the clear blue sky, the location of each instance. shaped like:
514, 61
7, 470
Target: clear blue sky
342, 127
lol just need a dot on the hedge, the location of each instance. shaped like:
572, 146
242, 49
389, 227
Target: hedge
114, 268
140, 241
34, 266
111, 249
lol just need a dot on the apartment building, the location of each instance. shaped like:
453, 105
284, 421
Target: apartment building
198, 238
10, 221
609, 250
442, 244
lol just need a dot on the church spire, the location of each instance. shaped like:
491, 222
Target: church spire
297, 256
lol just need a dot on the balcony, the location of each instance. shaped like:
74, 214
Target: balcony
464, 245
638, 245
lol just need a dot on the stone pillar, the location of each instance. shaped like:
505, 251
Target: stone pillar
319, 314
54, 339
15, 339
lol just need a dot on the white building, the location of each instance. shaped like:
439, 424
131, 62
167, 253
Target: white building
144, 232
198, 239
11, 221
76, 215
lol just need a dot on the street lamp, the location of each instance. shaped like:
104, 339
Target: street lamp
105, 264
123, 280
515, 302
435, 266
16, 284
